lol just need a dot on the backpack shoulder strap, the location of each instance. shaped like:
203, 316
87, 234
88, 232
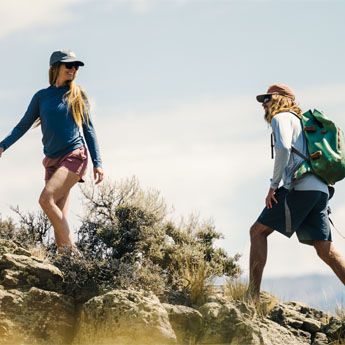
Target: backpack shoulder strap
292, 112
294, 149
299, 154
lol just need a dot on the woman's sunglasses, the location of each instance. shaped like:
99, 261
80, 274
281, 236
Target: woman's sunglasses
70, 65
267, 99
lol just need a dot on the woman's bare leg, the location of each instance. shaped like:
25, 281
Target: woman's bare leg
54, 202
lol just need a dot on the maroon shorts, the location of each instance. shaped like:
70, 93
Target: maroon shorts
75, 161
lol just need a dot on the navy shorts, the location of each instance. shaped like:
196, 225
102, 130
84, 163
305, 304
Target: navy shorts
303, 212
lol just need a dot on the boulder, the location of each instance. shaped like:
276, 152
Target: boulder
20, 271
35, 317
186, 323
236, 322
124, 317
32, 311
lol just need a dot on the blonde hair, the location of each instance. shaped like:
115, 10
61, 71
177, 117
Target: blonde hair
280, 104
75, 97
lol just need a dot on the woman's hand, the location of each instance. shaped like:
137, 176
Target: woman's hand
1, 151
98, 174
270, 196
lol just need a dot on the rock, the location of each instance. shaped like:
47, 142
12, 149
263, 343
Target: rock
312, 326
300, 335
227, 324
124, 317
32, 311
273, 335
335, 329
8, 246
186, 323
24, 271
35, 317
320, 339
298, 316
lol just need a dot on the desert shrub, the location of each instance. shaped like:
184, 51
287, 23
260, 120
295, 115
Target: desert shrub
125, 223
8, 229
31, 231
127, 239
193, 261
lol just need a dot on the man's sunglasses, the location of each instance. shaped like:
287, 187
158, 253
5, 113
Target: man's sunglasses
70, 65
267, 99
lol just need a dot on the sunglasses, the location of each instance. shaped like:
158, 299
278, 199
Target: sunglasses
267, 99
70, 65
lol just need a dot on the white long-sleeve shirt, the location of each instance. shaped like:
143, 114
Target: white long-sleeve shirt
288, 132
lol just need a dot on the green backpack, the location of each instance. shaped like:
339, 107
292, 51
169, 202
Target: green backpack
326, 146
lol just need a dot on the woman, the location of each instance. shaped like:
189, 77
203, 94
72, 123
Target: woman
62, 110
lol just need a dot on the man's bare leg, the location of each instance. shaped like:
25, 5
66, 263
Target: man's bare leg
258, 256
326, 251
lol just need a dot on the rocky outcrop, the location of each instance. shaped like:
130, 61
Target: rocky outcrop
35, 310
32, 308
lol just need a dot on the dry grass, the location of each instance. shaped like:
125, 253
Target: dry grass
340, 312
39, 252
236, 290
197, 276
196, 279
239, 291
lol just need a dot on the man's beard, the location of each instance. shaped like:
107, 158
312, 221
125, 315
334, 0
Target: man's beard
267, 114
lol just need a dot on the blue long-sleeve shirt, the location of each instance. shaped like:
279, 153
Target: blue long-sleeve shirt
61, 134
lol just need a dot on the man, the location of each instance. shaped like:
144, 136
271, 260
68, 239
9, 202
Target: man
297, 206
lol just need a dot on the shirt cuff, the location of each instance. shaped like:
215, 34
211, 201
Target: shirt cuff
274, 185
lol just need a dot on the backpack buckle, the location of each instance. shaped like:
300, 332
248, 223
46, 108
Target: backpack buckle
316, 155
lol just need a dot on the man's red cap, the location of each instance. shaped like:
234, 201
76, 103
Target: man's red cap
277, 89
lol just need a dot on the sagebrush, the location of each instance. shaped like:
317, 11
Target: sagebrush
127, 238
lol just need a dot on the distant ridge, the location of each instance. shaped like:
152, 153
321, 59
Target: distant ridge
319, 291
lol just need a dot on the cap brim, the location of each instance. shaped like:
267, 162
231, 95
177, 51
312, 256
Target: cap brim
80, 63
260, 98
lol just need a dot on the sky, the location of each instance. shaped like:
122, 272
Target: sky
172, 85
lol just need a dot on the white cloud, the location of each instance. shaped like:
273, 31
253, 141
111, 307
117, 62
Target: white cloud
17, 15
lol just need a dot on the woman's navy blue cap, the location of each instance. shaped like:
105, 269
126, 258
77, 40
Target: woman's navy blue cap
64, 56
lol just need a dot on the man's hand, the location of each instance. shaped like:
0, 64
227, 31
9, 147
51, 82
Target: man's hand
270, 196
1, 151
98, 174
